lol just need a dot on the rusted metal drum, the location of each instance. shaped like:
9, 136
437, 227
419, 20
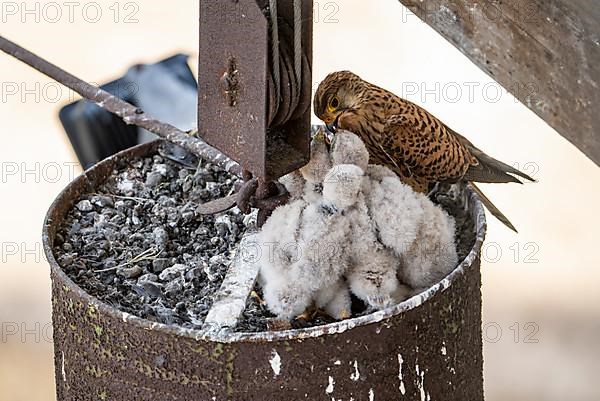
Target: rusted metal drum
427, 348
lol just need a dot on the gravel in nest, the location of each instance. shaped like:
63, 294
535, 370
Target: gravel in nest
139, 244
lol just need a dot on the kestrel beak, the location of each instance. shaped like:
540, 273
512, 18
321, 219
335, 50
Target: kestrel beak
333, 126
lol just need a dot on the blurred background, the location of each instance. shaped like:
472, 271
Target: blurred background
541, 298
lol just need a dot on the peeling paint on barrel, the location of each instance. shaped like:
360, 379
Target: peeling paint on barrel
330, 385
275, 362
101, 352
402, 388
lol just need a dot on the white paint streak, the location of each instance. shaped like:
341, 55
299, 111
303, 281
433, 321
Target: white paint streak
126, 317
356, 375
402, 387
371, 395
275, 362
329, 388
421, 384
62, 367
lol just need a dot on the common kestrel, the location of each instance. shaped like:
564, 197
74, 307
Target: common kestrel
417, 146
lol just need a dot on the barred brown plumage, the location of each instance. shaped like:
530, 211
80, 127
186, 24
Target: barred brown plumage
408, 139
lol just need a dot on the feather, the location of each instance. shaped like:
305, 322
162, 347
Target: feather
492, 208
489, 170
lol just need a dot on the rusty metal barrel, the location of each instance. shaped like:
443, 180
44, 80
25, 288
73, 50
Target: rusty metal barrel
427, 348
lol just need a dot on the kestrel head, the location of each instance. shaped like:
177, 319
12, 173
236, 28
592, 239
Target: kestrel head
339, 92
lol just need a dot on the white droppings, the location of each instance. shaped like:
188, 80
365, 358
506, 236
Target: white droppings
337, 363
329, 388
371, 395
402, 387
125, 186
356, 375
444, 350
62, 367
126, 317
421, 384
275, 362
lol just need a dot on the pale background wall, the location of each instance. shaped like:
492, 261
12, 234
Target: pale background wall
554, 296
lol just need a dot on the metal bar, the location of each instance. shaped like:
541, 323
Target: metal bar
129, 113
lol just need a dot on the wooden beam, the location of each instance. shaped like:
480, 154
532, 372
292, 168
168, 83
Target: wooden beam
545, 52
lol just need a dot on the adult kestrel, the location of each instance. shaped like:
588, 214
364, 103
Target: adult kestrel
408, 139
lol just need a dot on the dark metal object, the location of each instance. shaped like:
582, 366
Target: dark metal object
266, 121
240, 114
130, 114
96, 134
429, 347
545, 52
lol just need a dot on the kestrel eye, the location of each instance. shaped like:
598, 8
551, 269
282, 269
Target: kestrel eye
334, 103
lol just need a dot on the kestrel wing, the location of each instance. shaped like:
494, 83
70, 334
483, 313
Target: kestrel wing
426, 146
489, 169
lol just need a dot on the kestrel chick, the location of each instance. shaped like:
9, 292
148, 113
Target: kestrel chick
405, 137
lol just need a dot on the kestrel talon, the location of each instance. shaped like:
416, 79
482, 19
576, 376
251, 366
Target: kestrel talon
405, 137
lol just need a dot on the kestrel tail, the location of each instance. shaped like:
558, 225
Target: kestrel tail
405, 137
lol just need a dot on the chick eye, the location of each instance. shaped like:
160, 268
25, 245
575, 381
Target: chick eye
334, 103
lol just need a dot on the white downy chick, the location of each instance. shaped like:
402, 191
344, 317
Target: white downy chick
373, 273
278, 253
433, 256
341, 186
306, 244
314, 172
320, 242
418, 231
348, 148
323, 235
335, 300
294, 182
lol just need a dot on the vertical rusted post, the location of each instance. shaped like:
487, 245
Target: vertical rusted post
238, 111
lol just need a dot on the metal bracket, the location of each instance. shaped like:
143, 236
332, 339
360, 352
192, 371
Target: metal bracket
236, 97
